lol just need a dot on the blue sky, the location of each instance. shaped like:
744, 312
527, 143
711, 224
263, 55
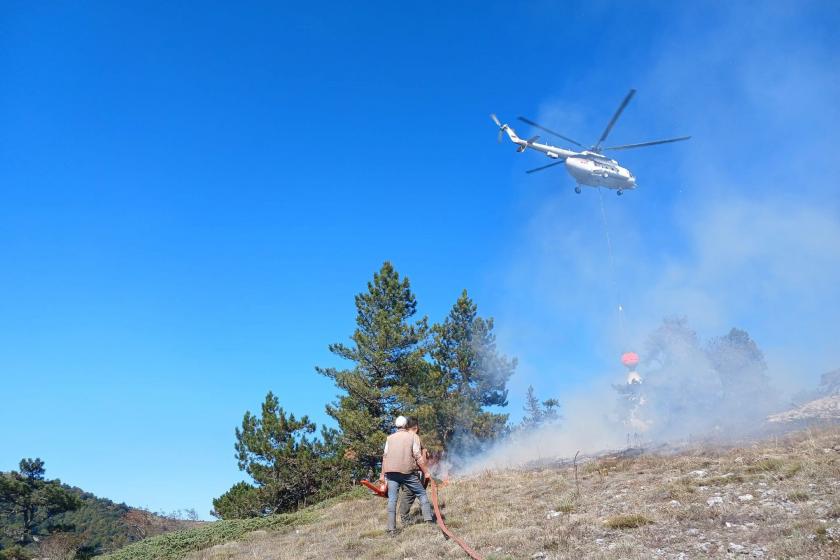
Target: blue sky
192, 195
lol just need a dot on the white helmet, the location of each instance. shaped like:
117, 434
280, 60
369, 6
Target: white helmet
400, 422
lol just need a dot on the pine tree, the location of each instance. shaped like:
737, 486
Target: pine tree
532, 408
738, 360
538, 413
746, 392
387, 353
28, 501
276, 451
469, 375
241, 501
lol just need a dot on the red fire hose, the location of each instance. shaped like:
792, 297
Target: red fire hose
382, 491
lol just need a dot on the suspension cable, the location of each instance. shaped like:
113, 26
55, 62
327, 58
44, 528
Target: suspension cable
616, 286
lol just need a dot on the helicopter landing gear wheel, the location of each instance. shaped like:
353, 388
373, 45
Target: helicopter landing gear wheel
577, 190
620, 192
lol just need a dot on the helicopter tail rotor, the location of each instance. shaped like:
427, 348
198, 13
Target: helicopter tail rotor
499, 124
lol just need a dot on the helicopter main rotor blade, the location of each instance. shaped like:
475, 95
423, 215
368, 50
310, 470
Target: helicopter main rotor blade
617, 114
545, 166
541, 127
643, 144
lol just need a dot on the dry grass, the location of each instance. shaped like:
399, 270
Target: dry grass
627, 521
766, 465
776, 499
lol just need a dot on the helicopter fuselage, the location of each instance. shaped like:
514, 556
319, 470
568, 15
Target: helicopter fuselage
600, 172
587, 167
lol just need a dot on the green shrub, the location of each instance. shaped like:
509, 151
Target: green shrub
172, 546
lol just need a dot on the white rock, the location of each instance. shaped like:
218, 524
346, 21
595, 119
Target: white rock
698, 473
737, 548
551, 514
746, 498
674, 503
714, 500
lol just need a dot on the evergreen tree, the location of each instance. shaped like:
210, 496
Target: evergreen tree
387, 353
28, 502
275, 450
241, 501
469, 375
738, 360
538, 413
747, 394
532, 408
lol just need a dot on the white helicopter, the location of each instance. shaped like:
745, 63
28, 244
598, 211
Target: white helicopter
588, 167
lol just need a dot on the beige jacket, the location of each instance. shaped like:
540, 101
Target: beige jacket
402, 452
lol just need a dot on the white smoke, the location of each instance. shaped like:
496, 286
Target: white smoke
586, 428
746, 223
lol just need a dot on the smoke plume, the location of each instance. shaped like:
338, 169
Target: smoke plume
740, 227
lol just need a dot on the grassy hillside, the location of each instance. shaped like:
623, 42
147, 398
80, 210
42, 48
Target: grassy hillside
175, 545
773, 499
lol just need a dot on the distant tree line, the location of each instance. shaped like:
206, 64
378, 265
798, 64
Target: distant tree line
450, 375
41, 518
29, 504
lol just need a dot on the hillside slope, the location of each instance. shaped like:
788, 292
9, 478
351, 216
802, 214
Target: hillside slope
98, 526
104, 526
773, 499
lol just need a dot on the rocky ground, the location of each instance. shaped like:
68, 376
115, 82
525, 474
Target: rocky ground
824, 408
777, 498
